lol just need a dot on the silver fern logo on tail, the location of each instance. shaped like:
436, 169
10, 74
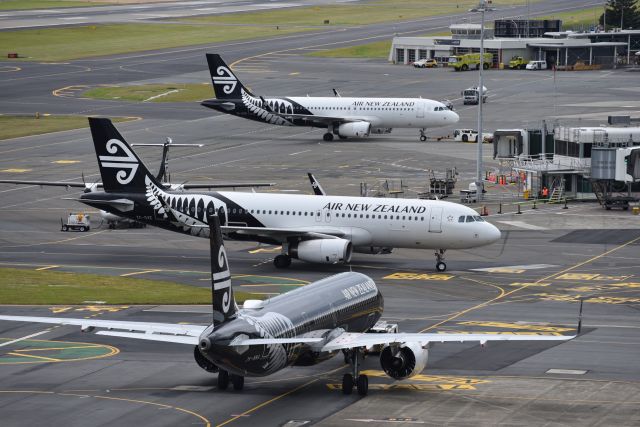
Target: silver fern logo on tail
226, 79
127, 163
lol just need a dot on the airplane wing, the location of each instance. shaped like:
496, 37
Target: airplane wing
46, 183
350, 340
188, 186
165, 332
324, 120
283, 233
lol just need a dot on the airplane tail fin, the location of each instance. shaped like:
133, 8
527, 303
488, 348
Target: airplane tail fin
317, 188
121, 169
225, 84
224, 303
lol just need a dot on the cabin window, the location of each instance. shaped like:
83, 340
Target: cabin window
421, 218
287, 212
269, 212
385, 217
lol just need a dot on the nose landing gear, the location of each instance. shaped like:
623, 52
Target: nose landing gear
423, 137
440, 265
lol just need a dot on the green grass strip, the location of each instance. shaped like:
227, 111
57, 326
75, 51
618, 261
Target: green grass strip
30, 287
45, 4
59, 44
16, 126
169, 92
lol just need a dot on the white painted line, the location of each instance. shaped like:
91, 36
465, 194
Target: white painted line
516, 267
192, 388
522, 224
25, 338
164, 94
567, 371
75, 17
299, 152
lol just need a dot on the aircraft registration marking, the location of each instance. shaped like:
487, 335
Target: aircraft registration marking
418, 276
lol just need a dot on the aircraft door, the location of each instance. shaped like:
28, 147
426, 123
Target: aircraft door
435, 220
327, 215
318, 215
420, 109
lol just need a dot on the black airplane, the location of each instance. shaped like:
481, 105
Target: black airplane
302, 327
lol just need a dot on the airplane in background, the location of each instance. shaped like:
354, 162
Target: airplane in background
317, 229
345, 117
302, 327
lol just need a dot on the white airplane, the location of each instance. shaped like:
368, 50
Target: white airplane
304, 327
345, 117
312, 228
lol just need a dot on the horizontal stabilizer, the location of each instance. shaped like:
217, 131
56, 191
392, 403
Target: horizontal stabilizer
177, 339
267, 341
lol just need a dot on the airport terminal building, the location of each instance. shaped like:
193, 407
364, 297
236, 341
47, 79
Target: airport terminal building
533, 40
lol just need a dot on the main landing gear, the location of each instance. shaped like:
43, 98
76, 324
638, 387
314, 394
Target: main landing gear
225, 377
423, 137
355, 356
282, 261
328, 136
440, 265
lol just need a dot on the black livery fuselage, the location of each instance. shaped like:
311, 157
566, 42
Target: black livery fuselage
348, 302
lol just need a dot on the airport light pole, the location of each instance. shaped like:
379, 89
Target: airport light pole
482, 8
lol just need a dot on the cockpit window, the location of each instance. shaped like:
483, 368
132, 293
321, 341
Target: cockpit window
478, 218
470, 218
461, 219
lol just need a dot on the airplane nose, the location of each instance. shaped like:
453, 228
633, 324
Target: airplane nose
455, 118
493, 233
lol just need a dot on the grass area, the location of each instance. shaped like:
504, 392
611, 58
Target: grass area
58, 44
49, 287
15, 126
348, 14
578, 19
188, 92
45, 4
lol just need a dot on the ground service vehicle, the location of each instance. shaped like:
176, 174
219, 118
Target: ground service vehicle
425, 63
472, 95
518, 63
470, 135
470, 60
537, 65
76, 222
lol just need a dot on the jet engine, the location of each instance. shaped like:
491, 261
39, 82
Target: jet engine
203, 362
323, 251
405, 361
354, 129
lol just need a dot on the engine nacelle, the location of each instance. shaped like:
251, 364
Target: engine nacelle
372, 250
323, 251
405, 361
202, 361
354, 129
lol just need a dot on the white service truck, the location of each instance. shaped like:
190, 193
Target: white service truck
472, 95
76, 222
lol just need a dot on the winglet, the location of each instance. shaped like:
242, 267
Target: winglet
336, 93
317, 188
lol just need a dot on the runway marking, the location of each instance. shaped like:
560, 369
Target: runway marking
9, 69
528, 284
443, 379
135, 273
299, 152
294, 74
91, 308
66, 162
522, 224
65, 351
587, 276
48, 267
68, 91
504, 294
26, 337
204, 420
266, 250
566, 371
513, 268
418, 276
516, 326
16, 170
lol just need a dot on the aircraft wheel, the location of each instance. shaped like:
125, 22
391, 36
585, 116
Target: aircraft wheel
237, 381
441, 266
363, 385
347, 384
223, 380
423, 138
328, 137
342, 137
282, 261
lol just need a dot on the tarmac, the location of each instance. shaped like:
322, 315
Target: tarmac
531, 281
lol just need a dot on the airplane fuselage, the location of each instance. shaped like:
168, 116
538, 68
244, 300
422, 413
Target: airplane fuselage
347, 302
364, 221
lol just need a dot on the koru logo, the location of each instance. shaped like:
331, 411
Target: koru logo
222, 280
226, 79
128, 164
314, 185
